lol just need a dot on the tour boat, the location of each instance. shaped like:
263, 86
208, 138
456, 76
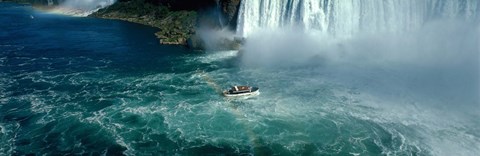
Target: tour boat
241, 91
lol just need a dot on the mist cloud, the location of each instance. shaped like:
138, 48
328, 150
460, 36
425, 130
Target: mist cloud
439, 61
82, 7
87, 4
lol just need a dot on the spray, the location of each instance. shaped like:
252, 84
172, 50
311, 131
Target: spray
82, 7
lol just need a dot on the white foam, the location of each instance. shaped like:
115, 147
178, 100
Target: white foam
296, 107
212, 56
73, 11
81, 8
8, 137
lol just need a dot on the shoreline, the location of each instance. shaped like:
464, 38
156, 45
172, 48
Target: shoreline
164, 37
175, 27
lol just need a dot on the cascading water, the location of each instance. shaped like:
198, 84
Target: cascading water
344, 18
405, 57
82, 7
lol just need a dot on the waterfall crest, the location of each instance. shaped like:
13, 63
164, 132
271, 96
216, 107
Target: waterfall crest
344, 18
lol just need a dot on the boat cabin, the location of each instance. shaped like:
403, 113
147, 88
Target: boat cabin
240, 89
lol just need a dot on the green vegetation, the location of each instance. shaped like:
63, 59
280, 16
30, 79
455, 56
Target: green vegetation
175, 26
137, 7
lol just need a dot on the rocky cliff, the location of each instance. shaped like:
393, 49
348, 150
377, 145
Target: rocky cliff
175, 26
230, 10
177, 20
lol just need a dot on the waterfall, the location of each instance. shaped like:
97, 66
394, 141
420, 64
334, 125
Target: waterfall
344, 18
82, 7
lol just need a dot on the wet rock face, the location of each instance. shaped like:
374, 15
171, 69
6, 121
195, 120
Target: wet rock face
230, 9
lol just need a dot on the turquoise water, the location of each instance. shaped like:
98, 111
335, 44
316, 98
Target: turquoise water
91, 86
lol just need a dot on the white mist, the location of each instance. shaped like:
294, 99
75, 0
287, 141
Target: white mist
82, 7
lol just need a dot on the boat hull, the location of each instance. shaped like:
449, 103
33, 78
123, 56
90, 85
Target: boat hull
255, 91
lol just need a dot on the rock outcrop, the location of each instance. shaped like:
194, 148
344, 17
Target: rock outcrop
216, 30
175, 27
230, 10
